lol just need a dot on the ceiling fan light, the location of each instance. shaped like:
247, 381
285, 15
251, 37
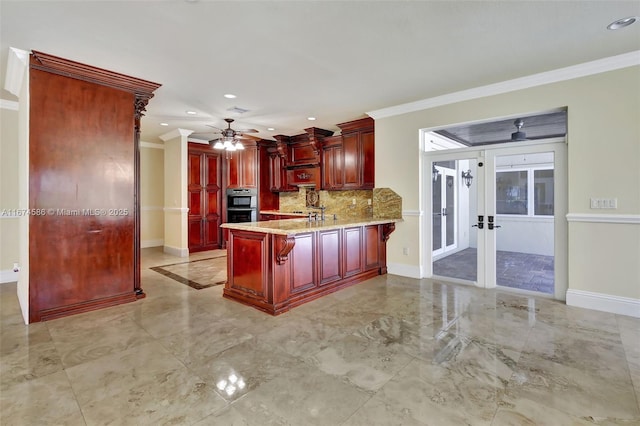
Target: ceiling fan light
218, 145
239, 146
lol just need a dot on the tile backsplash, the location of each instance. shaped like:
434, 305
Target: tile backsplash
379, 202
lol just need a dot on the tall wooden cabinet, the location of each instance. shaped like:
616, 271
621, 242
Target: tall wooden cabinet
204, 198
358, 148
84, 241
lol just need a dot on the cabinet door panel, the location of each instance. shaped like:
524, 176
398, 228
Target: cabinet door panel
351, 154
368, 159
329, 256
301, 154
204, 199
303, 264
352, 252
249, 167
371, 247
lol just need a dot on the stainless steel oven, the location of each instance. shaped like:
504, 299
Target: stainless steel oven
242, 205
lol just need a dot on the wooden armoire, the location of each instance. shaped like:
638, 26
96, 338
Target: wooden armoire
84, 241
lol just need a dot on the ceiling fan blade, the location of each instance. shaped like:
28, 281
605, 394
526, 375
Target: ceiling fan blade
219, 130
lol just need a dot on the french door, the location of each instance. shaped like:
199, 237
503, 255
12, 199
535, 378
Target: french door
498, 216
444, 208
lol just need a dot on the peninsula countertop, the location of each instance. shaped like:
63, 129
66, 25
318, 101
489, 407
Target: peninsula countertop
297, 226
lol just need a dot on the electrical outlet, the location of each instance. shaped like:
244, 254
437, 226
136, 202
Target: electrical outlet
353, 201
604, 203
16, 267
368, 201
405, 251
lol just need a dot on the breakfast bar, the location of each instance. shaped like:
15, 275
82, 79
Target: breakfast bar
276, 265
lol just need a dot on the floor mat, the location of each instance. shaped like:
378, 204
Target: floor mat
198, 274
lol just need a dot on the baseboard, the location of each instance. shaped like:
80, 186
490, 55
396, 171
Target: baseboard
151, 243
175, 251
604, 302
404, 270
8, 276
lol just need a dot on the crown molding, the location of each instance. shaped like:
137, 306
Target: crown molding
16, 66
175, 134
562, 74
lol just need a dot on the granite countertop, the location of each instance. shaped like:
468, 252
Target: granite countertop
298, 226
278, 212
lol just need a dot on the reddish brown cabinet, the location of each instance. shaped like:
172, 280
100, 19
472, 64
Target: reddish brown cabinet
358, 151
274, 272
332, 163
204, 198
242, 167
84, 122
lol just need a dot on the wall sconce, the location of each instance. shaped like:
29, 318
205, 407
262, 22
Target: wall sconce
435, 173
467, 178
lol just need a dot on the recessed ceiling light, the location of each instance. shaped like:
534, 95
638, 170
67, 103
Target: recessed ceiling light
230, 96
191, 112
621, 23
270, 129
311, 118
164, 124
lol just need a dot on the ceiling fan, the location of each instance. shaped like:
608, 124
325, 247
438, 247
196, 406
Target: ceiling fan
230, 138
518, 135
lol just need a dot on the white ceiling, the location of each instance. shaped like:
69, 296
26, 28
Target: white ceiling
334, 60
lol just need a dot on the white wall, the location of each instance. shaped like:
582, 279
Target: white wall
603, 130
151, 194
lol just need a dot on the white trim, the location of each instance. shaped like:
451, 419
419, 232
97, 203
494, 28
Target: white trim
175, 251
11, 105
152, 208
175, 134
576, 71
411, 213
604, 302
151, 145
633, 219
404, 270
176, 209
196, 140
16, 65
152, 243
8, 276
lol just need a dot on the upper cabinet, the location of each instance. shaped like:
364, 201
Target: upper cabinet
332, 163
242, 167
342, 162
349, 163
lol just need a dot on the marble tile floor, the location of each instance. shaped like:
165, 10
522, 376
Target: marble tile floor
198, 273
523, 271
388, 351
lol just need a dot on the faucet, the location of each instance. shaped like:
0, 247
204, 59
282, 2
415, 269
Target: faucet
322, 208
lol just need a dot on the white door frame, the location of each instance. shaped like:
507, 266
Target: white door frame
444, 248
486, 204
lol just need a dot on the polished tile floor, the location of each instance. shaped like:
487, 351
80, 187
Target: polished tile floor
388, 351
523, 271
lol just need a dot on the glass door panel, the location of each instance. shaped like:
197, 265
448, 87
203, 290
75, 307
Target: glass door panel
436, 220
523, 221
453, 230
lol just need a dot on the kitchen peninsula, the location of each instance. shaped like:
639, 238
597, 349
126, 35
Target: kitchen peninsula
277, 265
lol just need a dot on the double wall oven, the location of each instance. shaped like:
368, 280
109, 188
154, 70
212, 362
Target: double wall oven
242, 205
